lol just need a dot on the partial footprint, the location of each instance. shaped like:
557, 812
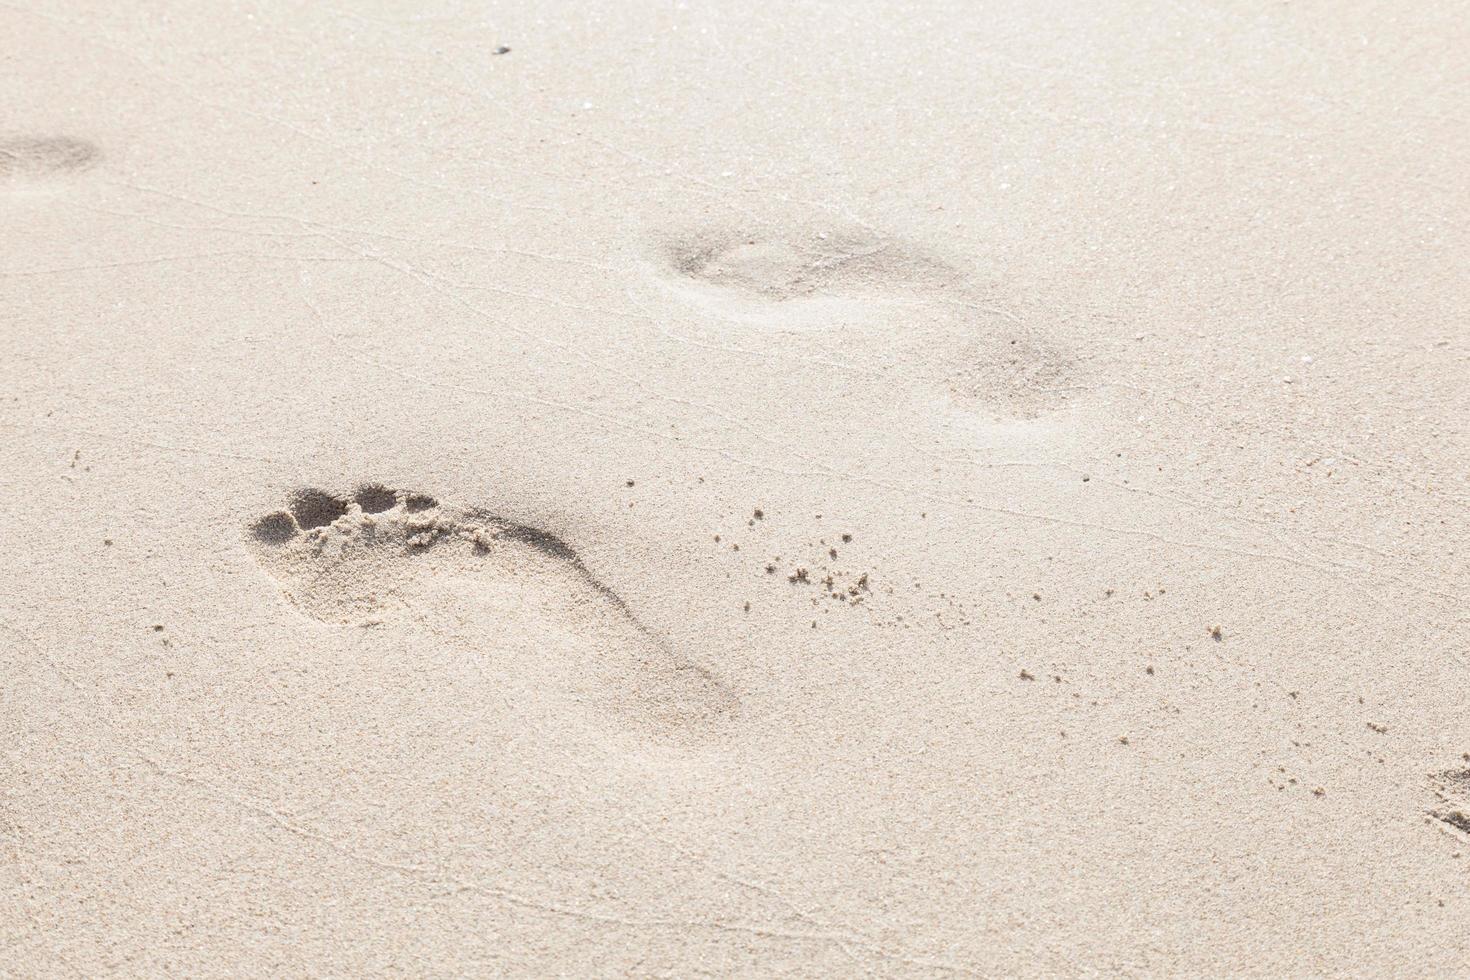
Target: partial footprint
1018, 373
467, 577
25, 159
1452, 787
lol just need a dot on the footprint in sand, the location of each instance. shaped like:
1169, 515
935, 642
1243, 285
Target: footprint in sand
37, 159
469, 579
772, 276
770, 266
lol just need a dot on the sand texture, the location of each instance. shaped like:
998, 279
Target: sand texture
719, 489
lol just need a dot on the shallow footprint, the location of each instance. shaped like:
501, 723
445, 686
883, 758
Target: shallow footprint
822, 276
775, 275
468, 577
780, 267
38, 158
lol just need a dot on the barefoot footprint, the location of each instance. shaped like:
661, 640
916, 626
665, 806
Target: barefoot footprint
770, 266
823, 276
466, 576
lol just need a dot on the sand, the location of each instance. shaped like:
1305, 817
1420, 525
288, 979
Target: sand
684, 489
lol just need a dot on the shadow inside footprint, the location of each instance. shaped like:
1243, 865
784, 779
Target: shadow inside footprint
316, 508
374, 498
416, 502
384, 555
274, 529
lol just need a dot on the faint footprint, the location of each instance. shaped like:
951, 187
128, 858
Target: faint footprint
1452, 786
465, 576
818, 276
38, 158
776, 267
1019, 373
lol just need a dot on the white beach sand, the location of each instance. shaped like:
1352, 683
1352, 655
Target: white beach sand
850, 489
